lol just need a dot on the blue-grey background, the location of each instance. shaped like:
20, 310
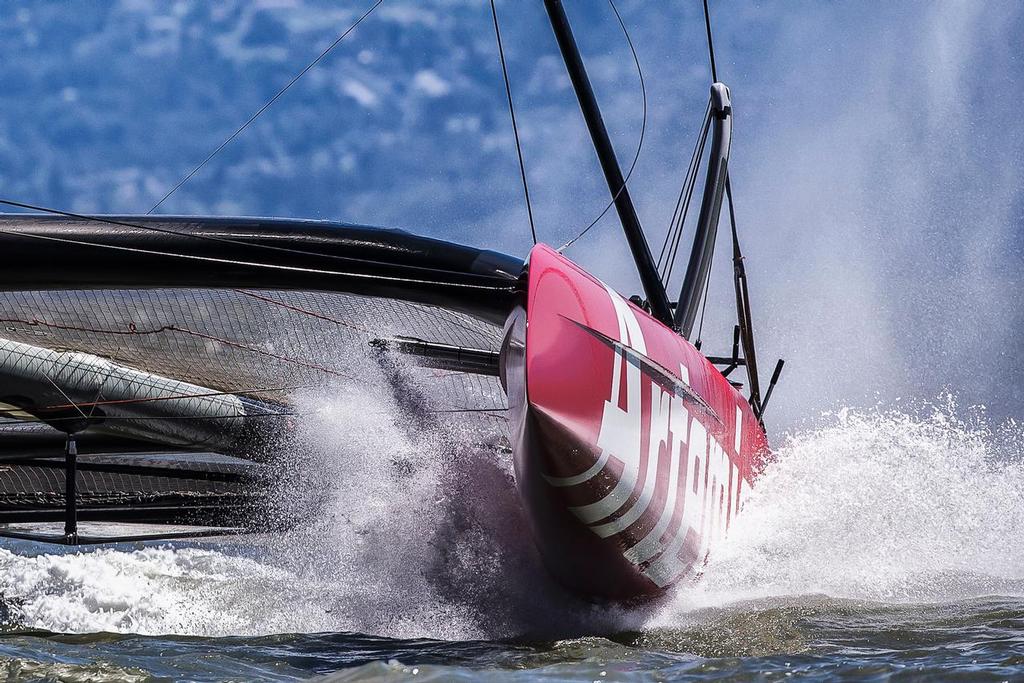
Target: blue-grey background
877, 157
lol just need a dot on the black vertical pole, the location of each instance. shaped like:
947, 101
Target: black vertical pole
653, 287
70, 490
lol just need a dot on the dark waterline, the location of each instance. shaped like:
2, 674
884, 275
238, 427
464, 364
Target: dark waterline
810, 638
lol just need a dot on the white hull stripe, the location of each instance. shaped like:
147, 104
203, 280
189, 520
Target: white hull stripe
650, 545
582, 476
711, 481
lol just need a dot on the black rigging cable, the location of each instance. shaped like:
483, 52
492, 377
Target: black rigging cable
670, 247
704, 302
686, 196
515, 128
711, 44
266, 106
682, 202
640, 142
739, 272
714, 79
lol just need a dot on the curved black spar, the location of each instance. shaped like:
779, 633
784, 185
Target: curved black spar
110, 252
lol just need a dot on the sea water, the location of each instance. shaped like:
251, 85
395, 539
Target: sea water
879, 543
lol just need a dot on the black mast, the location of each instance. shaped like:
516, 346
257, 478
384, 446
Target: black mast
653, 287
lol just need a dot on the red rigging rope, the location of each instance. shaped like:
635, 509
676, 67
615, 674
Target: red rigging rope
131, 330
151, 399
262, 352
109, 418
303, 311
172, 397
343, 323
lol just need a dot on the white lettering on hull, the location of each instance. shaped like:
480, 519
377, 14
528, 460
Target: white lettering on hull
679, 424
704, 485
620, 427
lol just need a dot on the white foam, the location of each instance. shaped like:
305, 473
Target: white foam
424, 537
878, 505
150, 591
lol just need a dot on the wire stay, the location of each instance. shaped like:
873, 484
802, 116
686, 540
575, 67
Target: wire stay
265, 106
640, 142
515, 128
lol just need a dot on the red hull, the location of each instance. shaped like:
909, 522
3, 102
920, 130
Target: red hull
632, 452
